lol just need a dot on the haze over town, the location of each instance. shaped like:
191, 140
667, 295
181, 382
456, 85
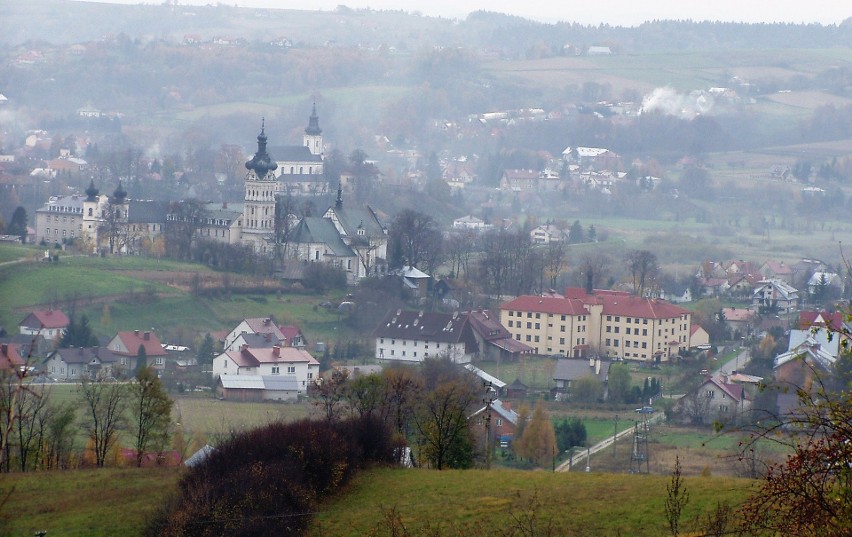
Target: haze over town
364, 270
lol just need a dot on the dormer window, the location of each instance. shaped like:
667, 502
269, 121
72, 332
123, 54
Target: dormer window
361, 232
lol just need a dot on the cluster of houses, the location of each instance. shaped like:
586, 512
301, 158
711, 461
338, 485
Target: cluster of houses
808, 363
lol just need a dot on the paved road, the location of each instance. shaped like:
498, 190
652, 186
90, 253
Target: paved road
734, 364
582, 456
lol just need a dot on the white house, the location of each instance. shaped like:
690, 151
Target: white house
411, 336
265, 326
470, 222
775, 294
546, 234
49, 324
268, 362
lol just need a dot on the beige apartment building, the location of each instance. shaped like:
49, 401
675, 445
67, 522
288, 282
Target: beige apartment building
602, 323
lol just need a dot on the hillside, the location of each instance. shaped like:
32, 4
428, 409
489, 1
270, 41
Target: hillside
119, 501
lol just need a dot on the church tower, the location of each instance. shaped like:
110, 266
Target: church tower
313, 134
258, 226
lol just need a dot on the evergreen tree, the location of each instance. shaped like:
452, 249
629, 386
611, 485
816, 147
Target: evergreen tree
206, 350
78, 334
18, 224
141, 359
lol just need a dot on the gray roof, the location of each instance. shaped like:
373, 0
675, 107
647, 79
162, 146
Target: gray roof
313, 229
573, 369
260, 382
293, 153
199, 456
85, 355
353, 218
425, 326
145, 212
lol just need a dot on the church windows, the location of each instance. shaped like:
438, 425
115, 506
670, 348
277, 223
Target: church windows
90, 211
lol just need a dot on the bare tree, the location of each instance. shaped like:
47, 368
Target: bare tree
104, 404
114, 227
459, 247
414, 237
331, 391
643, 270
676, 499
30, 407
183, 222
554, 261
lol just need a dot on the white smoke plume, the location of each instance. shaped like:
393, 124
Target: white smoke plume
669, 101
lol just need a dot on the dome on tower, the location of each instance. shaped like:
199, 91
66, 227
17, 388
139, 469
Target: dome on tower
120, 194
261, 163
92, 192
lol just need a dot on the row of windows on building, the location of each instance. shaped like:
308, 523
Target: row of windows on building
538, 315
530, 325
414, 343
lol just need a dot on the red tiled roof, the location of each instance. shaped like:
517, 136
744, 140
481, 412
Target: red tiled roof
546, 304
645, 308
46, 319
10, 356
808, 319
134, 338
290, 333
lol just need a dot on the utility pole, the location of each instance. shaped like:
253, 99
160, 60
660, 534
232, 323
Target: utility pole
614, 436
488, 400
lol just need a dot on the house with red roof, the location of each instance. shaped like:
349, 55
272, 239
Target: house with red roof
49, 324
716, 400
271, 361
10, 357
126, 345
599, 322
494, 341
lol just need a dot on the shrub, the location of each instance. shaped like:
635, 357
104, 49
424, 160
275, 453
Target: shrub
268, 481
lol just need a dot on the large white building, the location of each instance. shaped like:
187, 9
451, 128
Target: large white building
274, 361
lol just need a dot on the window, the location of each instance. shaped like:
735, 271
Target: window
276, 370
291, 369
499, 422
627, 343
510, 321
529, 325
537, 326
159, 361
562, 341
628, 321
644, 331
529, 338
616, 329
628, 328
609, 329
608, 342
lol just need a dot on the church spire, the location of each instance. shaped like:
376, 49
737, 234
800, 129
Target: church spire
313, 128
119, 195
338, 204
261, 163
91, 192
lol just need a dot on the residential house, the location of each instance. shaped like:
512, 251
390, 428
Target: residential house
676, 293
86, 362
258, 388
739, 320
127, 344
265, 326
417, 282
10, 358
547, 233
495, 343
775, 295
698, 337
49, 324
716, 400
568, 371
809, 352
743, 285
470, 222
517, 390
590, 157
835, 321
825, 283
776, 270
503, 421
274, 361
412, 336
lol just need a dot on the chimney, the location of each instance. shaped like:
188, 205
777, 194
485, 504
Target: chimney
276, 350
244, 347
136, 333
147, 336
267, 321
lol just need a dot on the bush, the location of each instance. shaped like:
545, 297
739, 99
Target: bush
268, 480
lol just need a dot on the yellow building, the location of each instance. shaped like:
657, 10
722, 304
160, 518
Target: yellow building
603, 323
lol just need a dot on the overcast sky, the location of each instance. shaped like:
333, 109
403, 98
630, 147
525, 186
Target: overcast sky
614, 12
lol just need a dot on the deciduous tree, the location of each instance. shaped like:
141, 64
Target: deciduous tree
103, 406
151, 410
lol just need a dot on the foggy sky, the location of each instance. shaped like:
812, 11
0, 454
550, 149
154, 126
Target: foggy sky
613, 12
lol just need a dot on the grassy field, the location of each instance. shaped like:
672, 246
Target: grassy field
84, 503
461, 502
